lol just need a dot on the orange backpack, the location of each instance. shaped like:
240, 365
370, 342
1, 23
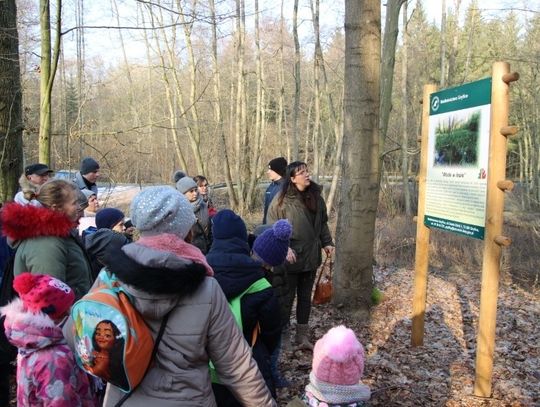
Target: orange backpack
112, 340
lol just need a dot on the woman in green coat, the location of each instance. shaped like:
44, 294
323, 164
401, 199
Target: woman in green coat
44, 239
300, 202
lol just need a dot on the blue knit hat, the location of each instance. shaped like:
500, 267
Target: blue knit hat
226, 224
108, 217
272, 245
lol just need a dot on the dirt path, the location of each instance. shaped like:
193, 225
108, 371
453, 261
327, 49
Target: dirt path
440, 373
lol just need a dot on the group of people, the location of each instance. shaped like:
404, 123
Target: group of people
188, 261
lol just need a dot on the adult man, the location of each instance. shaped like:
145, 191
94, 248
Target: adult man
35, 175
88, 175
276, 172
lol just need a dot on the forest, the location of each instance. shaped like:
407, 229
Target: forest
220, 87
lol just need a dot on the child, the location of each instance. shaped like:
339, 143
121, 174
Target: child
46, 371
271, 247
338, 364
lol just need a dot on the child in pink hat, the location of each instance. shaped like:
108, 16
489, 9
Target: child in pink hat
337, 368
47, 374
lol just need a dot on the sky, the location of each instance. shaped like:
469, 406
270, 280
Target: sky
105, 43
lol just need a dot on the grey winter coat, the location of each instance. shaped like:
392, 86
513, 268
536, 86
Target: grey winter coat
79, 181
200, 327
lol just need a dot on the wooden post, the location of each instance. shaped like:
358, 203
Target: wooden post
422, 232
493, 240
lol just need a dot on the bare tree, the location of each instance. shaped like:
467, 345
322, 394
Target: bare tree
11, 126
391, 29
297, 83
360, 181
404, 116
49, 62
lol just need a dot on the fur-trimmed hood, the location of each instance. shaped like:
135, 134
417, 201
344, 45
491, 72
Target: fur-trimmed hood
27, 187
28, 331
157, 279
21, 222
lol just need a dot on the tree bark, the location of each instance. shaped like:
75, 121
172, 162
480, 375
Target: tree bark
49, 62
391, 29
297, 84
11, 119
360, 181
443, 44
404, 118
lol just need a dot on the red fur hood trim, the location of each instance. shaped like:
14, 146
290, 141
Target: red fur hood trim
21, 222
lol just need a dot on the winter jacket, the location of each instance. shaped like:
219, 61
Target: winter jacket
47, 374
235, 271
44, 245
201, 232
79, 180
310, 230
200, 327
273, 189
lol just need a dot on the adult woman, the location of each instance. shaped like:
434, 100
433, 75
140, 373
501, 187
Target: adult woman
204, 193
42, 236
300, 202
89, 218
163, 274
201, 233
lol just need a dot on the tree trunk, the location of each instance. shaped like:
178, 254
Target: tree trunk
49, 63
455, 42
443, 44
391, 30
360, 181
317, 91
11, 123
404, 117
297, 84
218, 115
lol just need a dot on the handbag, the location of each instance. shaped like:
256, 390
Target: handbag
324, 287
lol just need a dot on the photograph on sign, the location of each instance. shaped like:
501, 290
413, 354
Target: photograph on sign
458, 155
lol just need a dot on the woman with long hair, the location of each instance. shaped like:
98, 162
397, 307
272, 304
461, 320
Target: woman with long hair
43, 239
300, 202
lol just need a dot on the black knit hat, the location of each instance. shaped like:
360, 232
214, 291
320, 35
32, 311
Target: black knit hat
108, 217
88, 164
279, 165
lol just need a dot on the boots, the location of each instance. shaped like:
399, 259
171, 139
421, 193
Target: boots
302, 337
279, 380
286, 339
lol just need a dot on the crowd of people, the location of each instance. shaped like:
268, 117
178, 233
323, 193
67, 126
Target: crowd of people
181, 259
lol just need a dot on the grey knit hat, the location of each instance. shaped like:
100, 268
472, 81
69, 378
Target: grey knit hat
162, 209
185, 184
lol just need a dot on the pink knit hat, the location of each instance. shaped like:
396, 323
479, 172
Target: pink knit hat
338, 357
41, 292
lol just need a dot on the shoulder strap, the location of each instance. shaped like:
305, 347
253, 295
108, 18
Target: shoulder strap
154, 351
234, 304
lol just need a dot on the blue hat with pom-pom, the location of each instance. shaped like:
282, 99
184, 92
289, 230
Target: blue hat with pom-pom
272, 245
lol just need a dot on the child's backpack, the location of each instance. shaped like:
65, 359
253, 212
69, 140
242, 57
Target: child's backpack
236, 309
112, 341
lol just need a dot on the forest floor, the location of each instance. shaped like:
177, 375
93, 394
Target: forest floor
442, 371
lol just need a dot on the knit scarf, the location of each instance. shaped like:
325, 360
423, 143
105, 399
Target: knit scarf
324, 394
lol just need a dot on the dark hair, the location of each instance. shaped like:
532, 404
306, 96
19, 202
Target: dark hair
309, 197
199, 179
116, 354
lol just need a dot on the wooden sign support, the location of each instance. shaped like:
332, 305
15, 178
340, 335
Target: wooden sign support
493, 240
497, 184
422, 231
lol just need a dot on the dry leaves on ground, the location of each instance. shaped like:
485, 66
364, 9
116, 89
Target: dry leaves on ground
442, 371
